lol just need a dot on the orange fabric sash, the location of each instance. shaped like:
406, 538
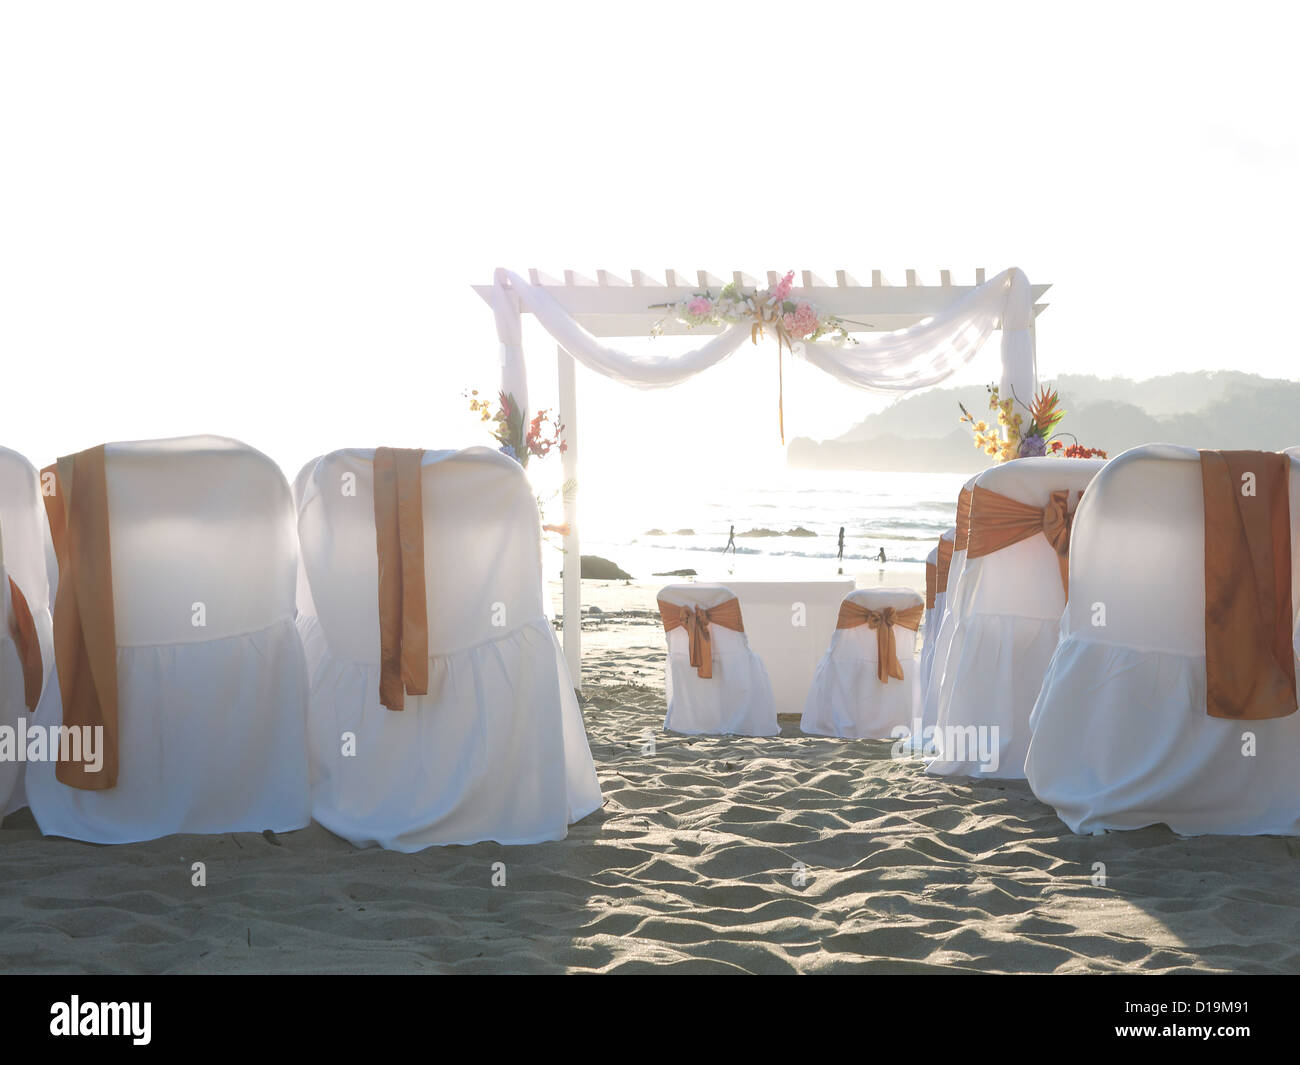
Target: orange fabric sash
931, 583
399, 542
946, 548
696, 621
883, 621
1249, 662
23, 631
963, 519
997, 521
85, 633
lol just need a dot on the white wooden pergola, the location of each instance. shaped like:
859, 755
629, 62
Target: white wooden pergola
609, 306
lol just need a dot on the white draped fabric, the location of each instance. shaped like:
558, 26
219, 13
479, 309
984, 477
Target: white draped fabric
497, 749
948, 620
930, 631
1005, 629
212, 685
847, 697
26, 555
737, 700
1121, 737
921, 355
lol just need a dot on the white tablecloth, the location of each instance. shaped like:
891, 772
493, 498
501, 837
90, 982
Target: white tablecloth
790, 652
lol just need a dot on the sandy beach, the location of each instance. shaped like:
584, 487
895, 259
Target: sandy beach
711, 854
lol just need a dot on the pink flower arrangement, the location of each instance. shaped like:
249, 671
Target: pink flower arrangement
782, 290
795, 319
803, 322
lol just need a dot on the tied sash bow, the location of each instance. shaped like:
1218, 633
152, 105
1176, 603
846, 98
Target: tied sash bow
696, 621
998, 521
882, 621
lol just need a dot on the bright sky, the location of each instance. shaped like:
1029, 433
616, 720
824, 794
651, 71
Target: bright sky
262, 219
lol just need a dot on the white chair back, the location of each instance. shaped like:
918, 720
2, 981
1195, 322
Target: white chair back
211, 680
738, 698
1121, 737
496, 749
847, 697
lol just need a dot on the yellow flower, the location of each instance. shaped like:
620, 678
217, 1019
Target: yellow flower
981, 426
990, 450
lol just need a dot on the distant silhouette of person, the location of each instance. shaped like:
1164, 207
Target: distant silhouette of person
841, 554
731, 542
881, 557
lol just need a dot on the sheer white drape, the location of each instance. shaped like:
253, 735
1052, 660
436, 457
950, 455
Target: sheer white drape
921, 355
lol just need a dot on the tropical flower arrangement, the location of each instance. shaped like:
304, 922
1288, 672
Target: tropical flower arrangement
1009, 439
763, 309
542, 435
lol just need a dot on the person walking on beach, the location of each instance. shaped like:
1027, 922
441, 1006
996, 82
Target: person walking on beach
731, 542
881, 557
841, 554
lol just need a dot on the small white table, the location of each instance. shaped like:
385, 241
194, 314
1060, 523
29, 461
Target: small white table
773, 612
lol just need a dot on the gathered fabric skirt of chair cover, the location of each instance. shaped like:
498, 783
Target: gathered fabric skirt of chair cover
1121, 734
496, 748
737, 699
496, 751
930, 633
26, 557
847, 698
949, 618
13, 709
211, 677
213, 739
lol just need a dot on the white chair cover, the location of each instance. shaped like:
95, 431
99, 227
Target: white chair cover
737, 700
933, 618
497, 749
212, 717
1121, 735
943, 634
26, 555
847, 697
1005, 629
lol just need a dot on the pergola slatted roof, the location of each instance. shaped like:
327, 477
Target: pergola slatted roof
610, 306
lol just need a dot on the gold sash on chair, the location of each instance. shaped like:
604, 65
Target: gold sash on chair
883, 621
1249, 660
85, 633
696, 621
998, 521
399, 541
23, 631
943, 566
964, 498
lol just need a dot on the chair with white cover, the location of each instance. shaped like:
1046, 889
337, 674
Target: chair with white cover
1122, 736
941, 558
858, 692
947, 613
27, 569
716, 684
494, 748
1008, 614
182, 556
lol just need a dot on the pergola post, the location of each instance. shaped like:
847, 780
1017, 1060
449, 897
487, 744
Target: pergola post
572, 554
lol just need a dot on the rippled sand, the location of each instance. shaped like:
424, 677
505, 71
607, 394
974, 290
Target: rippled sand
690, 866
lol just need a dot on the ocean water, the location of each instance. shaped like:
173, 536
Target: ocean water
902, 512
